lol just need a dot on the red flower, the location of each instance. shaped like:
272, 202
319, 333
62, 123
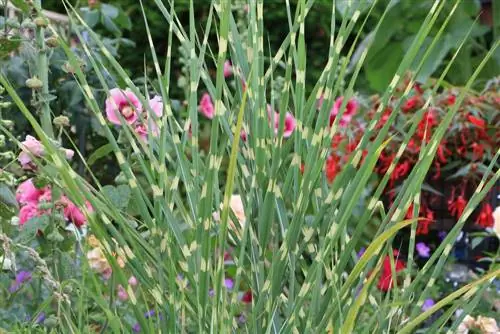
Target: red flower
412, 103
332, 167
457, 206
477, 151
302, 168
485, 218
247, 297
451, 99
401, 170
386, 280
479, 122
423, 225
337, 140
442, 151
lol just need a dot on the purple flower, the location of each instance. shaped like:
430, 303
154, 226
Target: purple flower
423, 250
428, 303
41, 318
442, 235
361, 252
211, 292
242, 319
21, 278
229, 283
149, 314
136, 328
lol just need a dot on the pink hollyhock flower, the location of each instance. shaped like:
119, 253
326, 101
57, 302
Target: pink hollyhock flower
243, 135
31, 148
69, 153
228, 69
142, 129
73, 213
28, 212
206, 106
156, 105
122, 294
27, 192
350, 110
289, 126
133, 281
123, 102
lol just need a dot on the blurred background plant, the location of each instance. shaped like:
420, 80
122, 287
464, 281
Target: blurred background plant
156, 191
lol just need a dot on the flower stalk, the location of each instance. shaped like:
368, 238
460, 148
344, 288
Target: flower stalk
43, 75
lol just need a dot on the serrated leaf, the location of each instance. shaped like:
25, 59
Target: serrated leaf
119, 196
7, 45
30, 229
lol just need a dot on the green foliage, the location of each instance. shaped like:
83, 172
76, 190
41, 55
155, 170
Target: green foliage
173, 223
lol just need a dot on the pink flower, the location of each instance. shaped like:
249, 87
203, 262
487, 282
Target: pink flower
142, 129
133, 281
243, 135
206, 106
28, 212
350, 110
69, 153
290, 122
122, 294
31, 148
27, 192
228, 69
73, 214
156, 105
123, 102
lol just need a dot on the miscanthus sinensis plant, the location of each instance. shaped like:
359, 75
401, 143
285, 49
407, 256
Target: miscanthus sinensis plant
249, 235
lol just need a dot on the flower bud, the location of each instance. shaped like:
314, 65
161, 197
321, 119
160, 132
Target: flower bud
28, 24
14, 221
121, 178
34, 83
61, 121
12, 23
8, 123
41, 22
52, 42
67, 289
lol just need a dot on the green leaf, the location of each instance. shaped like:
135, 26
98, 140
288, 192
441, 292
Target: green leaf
21, 4
109, 11
101, 152
7, 197
110, 25
7, 45
90, 16
119, 196
383, 65
30, 229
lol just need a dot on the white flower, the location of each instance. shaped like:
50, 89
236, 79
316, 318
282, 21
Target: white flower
6, 263
496, 219
466, 324
487, 325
